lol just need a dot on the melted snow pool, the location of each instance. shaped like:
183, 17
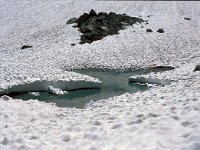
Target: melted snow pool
114, 84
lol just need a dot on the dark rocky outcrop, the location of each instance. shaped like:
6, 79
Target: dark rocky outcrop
26, 46
96, 26
160, 30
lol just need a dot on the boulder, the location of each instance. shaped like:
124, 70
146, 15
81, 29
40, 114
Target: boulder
73, 44
26, 46
186, 18
149, 30
197, 68
160, 30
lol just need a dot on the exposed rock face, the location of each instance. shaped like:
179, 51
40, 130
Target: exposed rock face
197, 68
96, 26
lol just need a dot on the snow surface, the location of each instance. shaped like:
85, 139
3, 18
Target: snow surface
56, 91
161, 118
54, 84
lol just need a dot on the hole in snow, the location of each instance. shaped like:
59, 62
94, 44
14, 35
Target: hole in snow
114, 84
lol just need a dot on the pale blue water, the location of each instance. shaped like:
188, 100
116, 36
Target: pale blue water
114, 84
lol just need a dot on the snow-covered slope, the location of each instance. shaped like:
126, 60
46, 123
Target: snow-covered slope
42, 24
65, 82
161, 118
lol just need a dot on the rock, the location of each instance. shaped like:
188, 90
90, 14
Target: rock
83, 18
102, 14
93, 36
96, 26
26, 46
161, 68
72, 20
73, 44
186, 18
197, 68
160, 30
149, 30
92, 13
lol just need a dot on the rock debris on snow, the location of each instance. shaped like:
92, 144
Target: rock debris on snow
160, 30
96, 26
26, 46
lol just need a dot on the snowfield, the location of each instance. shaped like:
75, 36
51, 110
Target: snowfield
161, 118
62, 82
